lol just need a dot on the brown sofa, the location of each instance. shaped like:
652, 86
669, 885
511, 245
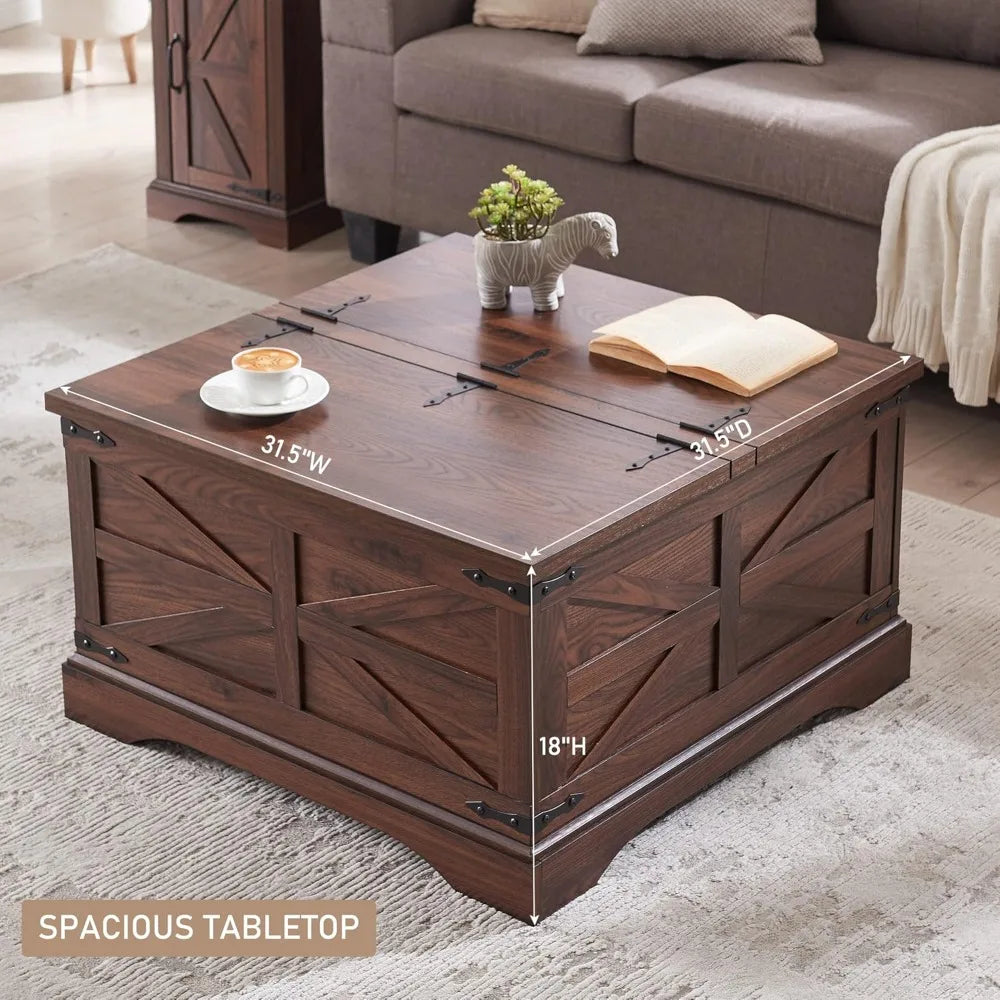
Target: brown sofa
761, 182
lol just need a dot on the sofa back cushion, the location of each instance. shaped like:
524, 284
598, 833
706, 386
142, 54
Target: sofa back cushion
952, 29
570, 16
713, 29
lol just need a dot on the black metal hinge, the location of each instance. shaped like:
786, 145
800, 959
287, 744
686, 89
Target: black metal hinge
669, 446
84, 642
466, 383
519, 821
263, 194
511, 367
712, 426
889, 404
284, 326
888, 607
72, 429
330, 315
521, 592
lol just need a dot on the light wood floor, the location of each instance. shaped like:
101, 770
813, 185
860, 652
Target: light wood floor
73, 174
74, 170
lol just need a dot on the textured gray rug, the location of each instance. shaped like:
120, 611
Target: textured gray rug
861, 859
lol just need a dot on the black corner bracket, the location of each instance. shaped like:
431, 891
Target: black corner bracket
89, 645
72, 429
520, 822
522, 592
888, 607
889, 404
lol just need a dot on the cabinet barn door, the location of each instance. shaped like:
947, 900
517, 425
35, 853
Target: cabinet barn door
218, 99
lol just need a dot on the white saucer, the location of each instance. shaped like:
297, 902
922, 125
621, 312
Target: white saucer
220, 393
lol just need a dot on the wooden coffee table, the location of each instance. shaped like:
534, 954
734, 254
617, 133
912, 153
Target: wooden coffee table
511, 628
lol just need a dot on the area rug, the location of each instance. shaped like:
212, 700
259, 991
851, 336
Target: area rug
72, 320
860, 859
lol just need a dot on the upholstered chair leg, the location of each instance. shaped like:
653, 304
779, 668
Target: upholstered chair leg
68, 58
128, 50
88, 53
370, 240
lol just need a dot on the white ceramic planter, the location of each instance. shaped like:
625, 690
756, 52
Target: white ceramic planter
539, 264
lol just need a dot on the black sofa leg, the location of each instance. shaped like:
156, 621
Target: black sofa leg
370, 240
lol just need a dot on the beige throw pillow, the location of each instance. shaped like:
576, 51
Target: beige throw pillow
569, 16
714, 29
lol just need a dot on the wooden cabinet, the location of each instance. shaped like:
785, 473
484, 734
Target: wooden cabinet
239, 104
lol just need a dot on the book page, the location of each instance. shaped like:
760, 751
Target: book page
670, 331
758, 354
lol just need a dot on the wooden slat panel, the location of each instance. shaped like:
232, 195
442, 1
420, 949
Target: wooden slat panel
593, 631
329, 571
321, 629
402, 716
708, 713
441, 690
466, 641
193, 541
206, 31
194, 583
513, 638
884, 529
396, 605
186, 626
621, 590
247, 658
550, 695
634, 717
594, 674
288, 671
898, 491
843, 567
803, 512
791, 600
837, 532
729, 609
331, 740
79, 479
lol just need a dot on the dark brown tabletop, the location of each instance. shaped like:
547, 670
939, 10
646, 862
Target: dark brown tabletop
539, 463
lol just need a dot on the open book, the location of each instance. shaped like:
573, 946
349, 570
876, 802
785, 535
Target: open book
715, 341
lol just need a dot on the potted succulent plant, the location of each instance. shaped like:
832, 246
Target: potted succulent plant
518, 243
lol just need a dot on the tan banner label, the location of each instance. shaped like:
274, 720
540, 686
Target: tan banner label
186, 927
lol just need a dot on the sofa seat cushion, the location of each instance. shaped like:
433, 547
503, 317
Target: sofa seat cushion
826, 137
531, 85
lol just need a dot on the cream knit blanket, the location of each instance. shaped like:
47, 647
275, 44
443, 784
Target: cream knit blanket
939, 260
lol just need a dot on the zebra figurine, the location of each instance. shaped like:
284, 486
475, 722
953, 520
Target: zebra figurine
540, 263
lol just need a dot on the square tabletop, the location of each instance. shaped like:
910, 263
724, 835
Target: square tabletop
562, 448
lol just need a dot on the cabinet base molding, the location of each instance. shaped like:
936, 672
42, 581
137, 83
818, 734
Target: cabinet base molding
490, 866
270, 226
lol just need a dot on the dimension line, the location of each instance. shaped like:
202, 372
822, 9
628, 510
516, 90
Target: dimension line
902, 360
291, 472
531, 643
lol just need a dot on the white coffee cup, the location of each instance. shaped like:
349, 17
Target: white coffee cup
265, 375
